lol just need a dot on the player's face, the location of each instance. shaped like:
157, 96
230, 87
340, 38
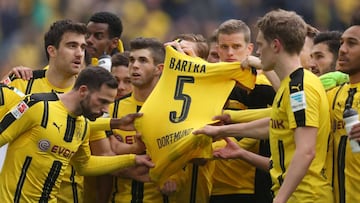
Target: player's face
265, 52
233, 48
98, 40
349, 52
69, 57
143, 71
213, 56
322, 60
121, 73
96, 103
305, 53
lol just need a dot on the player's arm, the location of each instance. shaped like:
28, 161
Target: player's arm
247, 115
258, 129
88, 165
232, 150
18, 120
305, 143
123, 123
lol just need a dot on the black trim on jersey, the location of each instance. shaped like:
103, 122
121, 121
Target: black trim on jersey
296, 85
282, 160
116, 189
341, 168
194, 179
36, 75
21, 180
30, 101
85, 129
137, 191
138, 108
50, 181
116, 109
2, 99
70, 129
45, 116
74, 185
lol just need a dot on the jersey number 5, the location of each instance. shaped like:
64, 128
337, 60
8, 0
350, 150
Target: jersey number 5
179, 95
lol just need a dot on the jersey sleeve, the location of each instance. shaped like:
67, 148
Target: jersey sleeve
85, 164
100, 124
309, 101
241, 116
18, 120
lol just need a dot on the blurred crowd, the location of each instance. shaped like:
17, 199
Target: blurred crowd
22, 23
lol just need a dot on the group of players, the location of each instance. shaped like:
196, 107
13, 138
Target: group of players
290, 147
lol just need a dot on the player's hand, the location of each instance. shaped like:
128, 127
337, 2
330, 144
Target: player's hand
230, 151
169, 187
144, 160
223, 119
126, 122
251, 61
21, 72
355, 132
209, 130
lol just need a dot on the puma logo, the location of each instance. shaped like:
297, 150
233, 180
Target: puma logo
57, 126
296, 87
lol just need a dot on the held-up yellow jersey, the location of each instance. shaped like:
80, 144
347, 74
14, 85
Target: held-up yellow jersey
189, 93
44, 137
127, 190
346, 163
300, 102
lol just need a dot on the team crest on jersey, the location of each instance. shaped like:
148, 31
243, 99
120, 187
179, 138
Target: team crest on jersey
19, 110
44, 145
298, 101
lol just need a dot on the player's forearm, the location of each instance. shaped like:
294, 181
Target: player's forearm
248, 115
256, 160
99, 165
258, 129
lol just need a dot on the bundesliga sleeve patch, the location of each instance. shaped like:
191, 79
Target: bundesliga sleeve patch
298, 101
19, 110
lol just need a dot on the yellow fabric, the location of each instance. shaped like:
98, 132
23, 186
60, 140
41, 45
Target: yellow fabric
50, 148
124, 190
346, 180
307, 106
186, 86
40, 84
248, 114
225, 180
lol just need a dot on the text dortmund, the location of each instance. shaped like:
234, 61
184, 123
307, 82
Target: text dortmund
172, 137
186, 66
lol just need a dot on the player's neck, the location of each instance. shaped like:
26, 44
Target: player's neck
142, 93
58, 78
286, 65
70, 102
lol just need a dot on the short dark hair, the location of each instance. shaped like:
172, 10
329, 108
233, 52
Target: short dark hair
120, 59
94, 77
115, 27
155, 46
331, 39
58, 29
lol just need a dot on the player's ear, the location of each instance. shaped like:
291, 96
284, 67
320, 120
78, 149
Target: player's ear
83, 90
51, 50
159, 68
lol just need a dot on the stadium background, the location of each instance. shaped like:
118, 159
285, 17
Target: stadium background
23, 22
